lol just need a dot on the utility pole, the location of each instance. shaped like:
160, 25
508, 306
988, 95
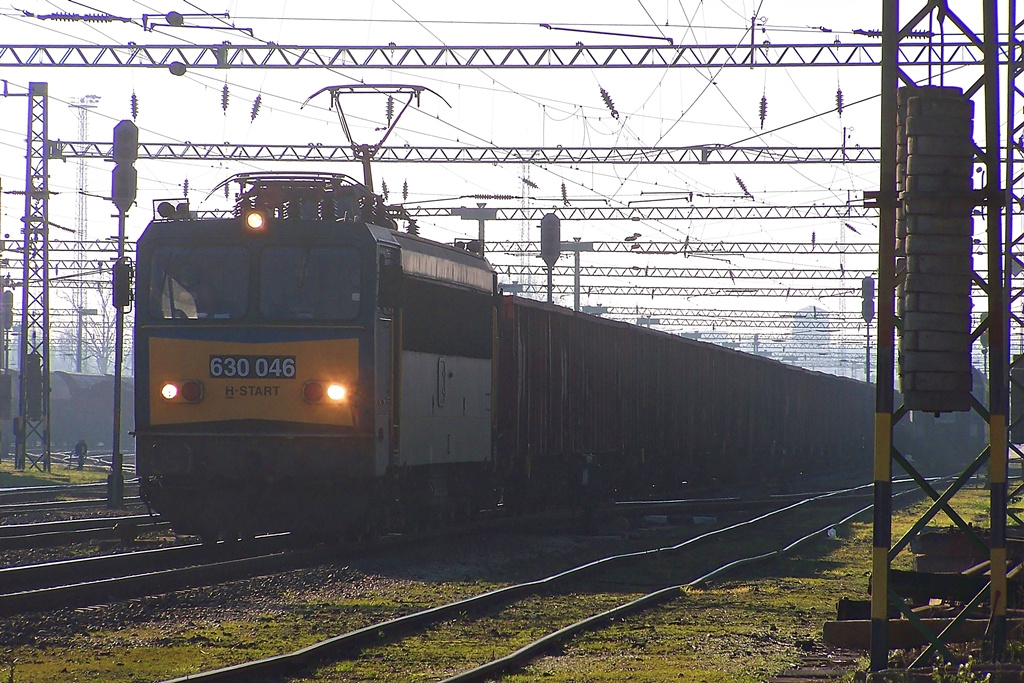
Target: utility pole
576, 247
480, 215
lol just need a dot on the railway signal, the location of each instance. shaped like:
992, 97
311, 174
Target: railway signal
867, 304
124, 185
550, 244
867, 311
124, 182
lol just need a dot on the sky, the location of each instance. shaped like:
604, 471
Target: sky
520, 108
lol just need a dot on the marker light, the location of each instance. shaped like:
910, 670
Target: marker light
313, 392
169, 391
336, 392
255, 220
192, 391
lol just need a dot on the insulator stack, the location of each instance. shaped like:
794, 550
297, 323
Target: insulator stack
934, 229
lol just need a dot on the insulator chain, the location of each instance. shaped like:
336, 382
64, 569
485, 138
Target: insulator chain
608, 103
743, 186
224, 98
135, 106
256, 107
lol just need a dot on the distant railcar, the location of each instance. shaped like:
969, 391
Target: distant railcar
82, 407
945, 443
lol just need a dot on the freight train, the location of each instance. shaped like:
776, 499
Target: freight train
303, 365
81, 407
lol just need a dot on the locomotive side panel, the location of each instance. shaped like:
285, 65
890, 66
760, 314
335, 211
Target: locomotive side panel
446, 409
446, 372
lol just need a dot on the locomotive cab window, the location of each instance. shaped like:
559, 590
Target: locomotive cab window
309, 283
199, 283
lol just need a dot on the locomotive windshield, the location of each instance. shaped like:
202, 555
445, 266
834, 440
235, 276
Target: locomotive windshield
309, 283
296, 283
193, 283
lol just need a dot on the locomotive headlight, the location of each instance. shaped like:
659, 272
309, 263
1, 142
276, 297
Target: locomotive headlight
183, 391
336, 392
255, 220
315, 392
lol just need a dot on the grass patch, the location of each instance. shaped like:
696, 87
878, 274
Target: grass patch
30, 476
743, 630
188, 641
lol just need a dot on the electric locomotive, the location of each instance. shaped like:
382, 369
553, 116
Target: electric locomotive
301, 365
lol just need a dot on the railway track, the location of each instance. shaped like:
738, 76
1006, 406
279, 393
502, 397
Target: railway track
82, 581
55, 492
88, 581
349, 644
70, 505
66, 532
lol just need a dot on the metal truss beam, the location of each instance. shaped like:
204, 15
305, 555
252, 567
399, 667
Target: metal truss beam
754, 324
271, 56
800, 320
788, 316
106, 249
689, 273
662, 213
707, 154
639, 290
715, 320
694, 248
34, 408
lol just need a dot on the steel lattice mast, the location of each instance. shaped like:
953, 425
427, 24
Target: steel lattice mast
34, 367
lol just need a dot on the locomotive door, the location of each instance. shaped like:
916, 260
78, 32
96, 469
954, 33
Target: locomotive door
387, 361
383, 398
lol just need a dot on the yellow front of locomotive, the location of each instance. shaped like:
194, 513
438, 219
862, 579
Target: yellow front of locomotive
257, 378
199, 381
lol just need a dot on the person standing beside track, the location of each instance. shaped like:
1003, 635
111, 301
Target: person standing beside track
81, 450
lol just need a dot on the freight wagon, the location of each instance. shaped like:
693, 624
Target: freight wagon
646, 413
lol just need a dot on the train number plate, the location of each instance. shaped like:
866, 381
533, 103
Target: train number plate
248, 367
